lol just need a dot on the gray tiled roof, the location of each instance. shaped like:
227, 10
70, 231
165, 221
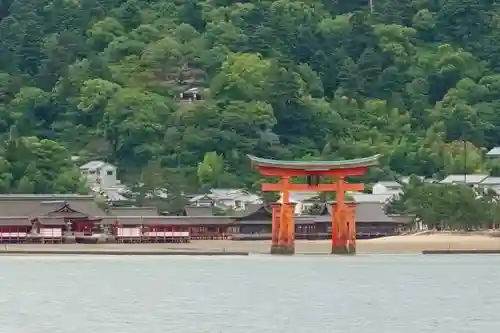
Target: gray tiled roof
198, 211
469, 178
367, 198
393, 184
35, 205
494, 152
252, 208
366, 212
93, 165
134, 211
491, 181
372, 212
15, 221
51, 221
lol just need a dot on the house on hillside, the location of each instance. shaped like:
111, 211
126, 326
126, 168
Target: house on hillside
472, 180
493, 153
99, 174
385, 187
102, 179
372, 198
391, 187
491, 183
192, 94
235, 199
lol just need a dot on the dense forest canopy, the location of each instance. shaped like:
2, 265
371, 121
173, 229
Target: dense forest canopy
330, 79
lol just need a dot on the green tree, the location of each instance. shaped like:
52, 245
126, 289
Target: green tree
211, 169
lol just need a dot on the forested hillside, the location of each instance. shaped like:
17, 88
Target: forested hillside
410, 79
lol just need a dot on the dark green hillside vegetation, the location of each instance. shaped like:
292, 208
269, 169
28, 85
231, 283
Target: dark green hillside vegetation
283, 79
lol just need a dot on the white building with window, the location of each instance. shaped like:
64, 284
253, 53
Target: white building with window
99, 174
236, 199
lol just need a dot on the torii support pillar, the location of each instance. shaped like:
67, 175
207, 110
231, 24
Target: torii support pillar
283, 229
343, 217
343, 228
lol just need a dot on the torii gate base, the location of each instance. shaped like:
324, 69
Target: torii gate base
343, 217
344, 228
283, 229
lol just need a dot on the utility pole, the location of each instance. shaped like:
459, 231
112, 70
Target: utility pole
10, 132
465, 160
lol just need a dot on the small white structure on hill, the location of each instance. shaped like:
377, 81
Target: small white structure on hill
385, 187
236, 199
493, 153
99, 174
391, 187
101, 177
468, 179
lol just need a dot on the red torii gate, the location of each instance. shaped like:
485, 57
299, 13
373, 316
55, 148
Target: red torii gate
343, 217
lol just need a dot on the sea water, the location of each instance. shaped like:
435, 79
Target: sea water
256, 294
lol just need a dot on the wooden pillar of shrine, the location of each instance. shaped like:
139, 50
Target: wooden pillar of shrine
343, 223
283, 222
276, 211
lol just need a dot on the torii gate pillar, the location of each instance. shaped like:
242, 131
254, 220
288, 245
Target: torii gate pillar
343, 217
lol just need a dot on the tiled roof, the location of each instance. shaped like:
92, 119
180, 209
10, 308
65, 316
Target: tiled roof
221, 194
366, 212
198, 211
491, 181
35, 205
134, 211
468, 178
494, 152
365, 197
315, 165
251, 209
393, 184
51, 221
93, 165
372, 212
15, 221
112, 195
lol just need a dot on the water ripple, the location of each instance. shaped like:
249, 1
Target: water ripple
258, 294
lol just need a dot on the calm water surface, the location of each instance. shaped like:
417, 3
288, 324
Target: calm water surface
362, 294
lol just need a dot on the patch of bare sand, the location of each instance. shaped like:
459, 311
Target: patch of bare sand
417, 244
395, 244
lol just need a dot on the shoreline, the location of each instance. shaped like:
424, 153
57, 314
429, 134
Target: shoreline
119, 253
410, 244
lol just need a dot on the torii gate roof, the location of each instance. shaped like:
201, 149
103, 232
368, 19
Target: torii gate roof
315, 165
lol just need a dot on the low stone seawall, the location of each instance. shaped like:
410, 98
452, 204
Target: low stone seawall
123, 253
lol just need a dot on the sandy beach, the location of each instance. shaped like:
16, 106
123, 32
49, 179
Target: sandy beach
396, 244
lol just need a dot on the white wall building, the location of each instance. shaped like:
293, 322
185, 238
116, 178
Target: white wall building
386, 187
391, 187
236, 199
100, 174
493, 153
470, 179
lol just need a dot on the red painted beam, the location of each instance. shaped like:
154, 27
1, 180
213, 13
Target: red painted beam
336, 173
307, 188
